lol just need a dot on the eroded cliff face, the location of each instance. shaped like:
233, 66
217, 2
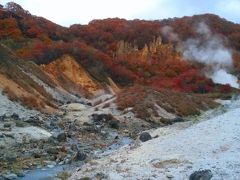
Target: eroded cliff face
68, 74
18, 82
151, 50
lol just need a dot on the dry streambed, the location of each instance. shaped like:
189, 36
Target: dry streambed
58, 143
81, 133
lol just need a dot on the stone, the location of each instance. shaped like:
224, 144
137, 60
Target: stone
60, 136
15, 116
114, 124
101, 117
10, 158
201, 175
169, 176
34, 134
50, 166
85, 178
37, 155
5, 129
80, 156
52, 150
101, 176
8, 135
19, 124
175, 120
145, 136
10, 176
7, 125
1, 135
20, 174
34, 120
2, 118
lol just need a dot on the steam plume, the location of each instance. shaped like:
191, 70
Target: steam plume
168, 32
209, 49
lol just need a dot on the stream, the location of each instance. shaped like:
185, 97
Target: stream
43, 174
51, 173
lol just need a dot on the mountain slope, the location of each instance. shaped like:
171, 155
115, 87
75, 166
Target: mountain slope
83, 59
27, 83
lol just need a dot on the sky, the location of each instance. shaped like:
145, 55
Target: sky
68, 12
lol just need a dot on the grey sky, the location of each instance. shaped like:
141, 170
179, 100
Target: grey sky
67, 12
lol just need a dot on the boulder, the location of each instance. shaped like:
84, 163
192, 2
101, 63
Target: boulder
15, 116
37, 154
7, 125
177, 119
29, 134
79, 156
34, 120
102, 117
145, 136
75, 107
20, 124
101, 175
52, 150
10, 157
10, 176
20, 174
201, 175
60, 136
2, 118
114, 124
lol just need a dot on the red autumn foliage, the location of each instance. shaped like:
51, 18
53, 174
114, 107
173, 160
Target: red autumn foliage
95, 47
9, 29
225, 88
130, 97
189, 81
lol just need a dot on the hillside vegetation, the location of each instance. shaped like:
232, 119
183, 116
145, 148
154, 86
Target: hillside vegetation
79, 60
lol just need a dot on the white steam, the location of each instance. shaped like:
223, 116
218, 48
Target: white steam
168, 32
209, 49
222, 77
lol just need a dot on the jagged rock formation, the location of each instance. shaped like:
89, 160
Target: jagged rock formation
153, 49
128, 48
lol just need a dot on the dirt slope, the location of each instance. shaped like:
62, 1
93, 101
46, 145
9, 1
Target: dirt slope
68, 74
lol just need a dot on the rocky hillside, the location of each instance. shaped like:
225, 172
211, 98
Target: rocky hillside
45, 65
99, 44
71, 95
68, 74
44, 87
17, 84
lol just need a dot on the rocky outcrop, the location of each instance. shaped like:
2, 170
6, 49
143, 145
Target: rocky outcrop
69, 75
124, 47
151, 50
19, 86
201, 175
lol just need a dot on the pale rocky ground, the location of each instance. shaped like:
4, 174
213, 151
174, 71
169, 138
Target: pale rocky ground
178, 151
41, 141
20, 134
8, 107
